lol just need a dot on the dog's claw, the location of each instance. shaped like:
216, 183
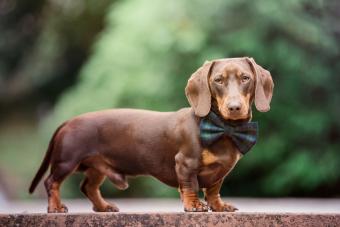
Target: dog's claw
108, 208
223, 207
112, 209
64, 208
229, 208
197, 206
61, 209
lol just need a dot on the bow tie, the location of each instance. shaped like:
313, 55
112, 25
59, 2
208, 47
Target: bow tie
243, 134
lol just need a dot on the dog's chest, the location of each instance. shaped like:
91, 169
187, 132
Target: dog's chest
217, 162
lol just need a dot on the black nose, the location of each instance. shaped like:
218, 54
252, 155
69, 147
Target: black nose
234, 107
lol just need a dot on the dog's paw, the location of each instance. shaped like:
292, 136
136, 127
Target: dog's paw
107, 208
61, 209
196, 206
223, 207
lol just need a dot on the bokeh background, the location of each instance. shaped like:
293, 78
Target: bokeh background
60, 58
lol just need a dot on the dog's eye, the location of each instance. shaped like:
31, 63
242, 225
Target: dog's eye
245, 78
218, 80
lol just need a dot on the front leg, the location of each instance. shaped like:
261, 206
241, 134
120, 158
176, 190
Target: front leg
215, 203
186, 170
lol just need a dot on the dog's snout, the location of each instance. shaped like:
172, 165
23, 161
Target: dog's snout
234, 107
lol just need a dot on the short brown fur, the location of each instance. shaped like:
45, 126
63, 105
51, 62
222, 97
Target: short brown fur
126, 142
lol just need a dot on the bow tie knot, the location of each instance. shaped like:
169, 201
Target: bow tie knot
244, 134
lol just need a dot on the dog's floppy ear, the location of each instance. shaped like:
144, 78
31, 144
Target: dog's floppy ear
263, 88
197, 90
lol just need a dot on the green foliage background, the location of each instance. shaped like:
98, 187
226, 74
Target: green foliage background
148, 49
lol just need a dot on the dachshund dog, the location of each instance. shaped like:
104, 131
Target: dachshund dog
119, 143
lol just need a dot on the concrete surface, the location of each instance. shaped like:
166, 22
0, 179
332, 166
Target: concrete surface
168, 212
171, 219
174, 205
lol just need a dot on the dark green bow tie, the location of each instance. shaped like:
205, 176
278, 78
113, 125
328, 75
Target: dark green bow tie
243, 134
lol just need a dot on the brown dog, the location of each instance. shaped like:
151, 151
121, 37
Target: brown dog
126, 142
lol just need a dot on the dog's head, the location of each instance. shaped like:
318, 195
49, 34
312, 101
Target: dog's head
230, 86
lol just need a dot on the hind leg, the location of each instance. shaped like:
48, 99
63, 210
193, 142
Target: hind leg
90, 187
52, 185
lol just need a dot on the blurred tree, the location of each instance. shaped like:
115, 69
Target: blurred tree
149, 49
42, 46
143, 59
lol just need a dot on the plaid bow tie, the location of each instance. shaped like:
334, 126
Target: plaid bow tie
243, 134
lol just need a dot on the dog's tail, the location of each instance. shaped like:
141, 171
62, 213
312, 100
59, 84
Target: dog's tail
45, 163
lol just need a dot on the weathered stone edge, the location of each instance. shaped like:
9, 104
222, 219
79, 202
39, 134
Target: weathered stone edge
172, 219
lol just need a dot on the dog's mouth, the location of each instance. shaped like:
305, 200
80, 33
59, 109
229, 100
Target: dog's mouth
226, 115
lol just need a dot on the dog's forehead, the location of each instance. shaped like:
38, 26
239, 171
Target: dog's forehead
238, 64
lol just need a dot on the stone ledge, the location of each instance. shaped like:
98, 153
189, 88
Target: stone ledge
171, 219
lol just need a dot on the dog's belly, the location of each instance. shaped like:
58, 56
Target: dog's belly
216, 166
167, 176
157, 162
